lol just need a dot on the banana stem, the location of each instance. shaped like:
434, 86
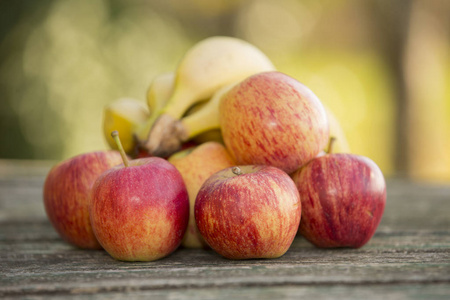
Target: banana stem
165, 137
175, 107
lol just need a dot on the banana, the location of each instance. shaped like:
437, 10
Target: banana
213, 135
205, 68
205, 118
158, 94
211, 64
124, 115
340, 144
159, 91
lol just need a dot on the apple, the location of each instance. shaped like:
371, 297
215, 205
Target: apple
139, 211
250, 211
272, 119
343, 198
196, 165
66, 195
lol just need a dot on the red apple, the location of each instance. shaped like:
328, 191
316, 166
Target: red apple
248, 212
196, 165
343, 198
66, 195
140, 210
272, 119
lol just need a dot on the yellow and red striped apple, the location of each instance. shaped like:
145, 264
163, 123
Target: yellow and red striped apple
140, 211
196, 165
343, 198
248, 212
272, 119
66, 195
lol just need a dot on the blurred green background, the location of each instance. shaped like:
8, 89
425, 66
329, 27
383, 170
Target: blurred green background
382, 67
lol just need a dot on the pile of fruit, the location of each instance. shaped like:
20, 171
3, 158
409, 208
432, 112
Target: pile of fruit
233, 156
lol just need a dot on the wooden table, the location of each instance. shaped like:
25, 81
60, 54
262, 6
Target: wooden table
409, 256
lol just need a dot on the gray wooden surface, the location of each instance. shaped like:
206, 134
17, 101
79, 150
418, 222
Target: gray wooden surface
408, 258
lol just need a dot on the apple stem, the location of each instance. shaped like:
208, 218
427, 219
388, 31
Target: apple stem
236, 170
115, 136
330, 144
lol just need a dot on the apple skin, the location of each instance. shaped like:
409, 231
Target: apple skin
343, 198
66, 195
252, 215
196, 165
140, 212
272, 119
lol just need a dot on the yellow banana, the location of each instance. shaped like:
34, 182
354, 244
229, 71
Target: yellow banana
124, 115
213, 135
211, 64
340, 144
158, 94
159, 91
205, 118
206, 67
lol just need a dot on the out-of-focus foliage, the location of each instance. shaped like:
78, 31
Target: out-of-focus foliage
62, 61
63, 64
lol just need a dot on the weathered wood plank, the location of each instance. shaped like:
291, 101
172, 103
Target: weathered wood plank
53, 267
434, 291
412, 205
21, 183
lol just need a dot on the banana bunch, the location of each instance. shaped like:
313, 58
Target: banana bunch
207, 67
184, 105
205, 72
